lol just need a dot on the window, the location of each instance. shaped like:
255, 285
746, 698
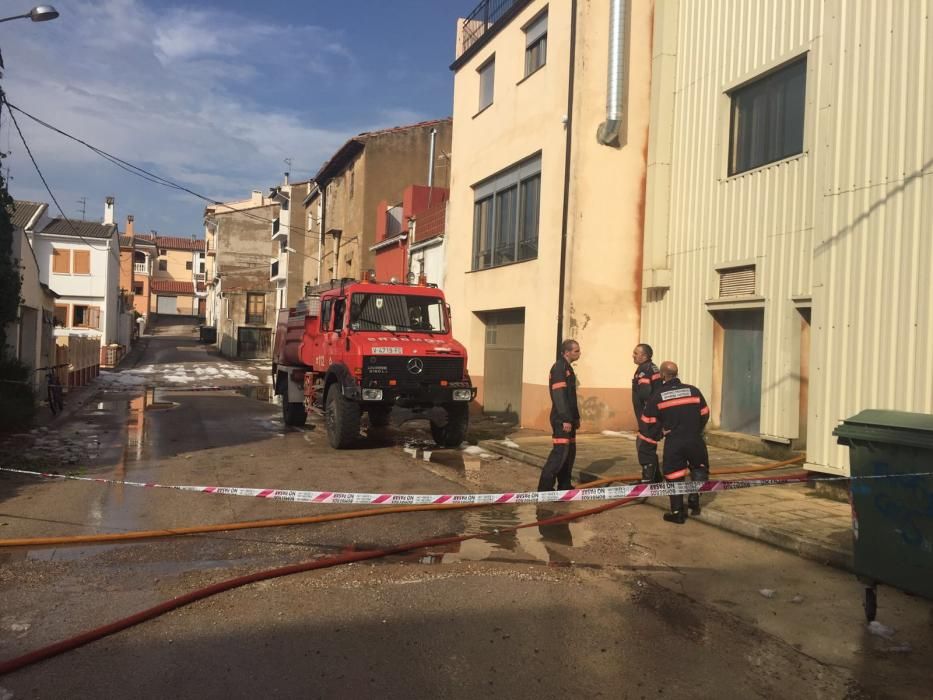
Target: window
325, 314
505, 216
61, 315
82, 262
255, 308
85, 316
201, 267
397, 312
487, 77
536, 44
275, 226
189, 265
61, 261
767, 118
162, 251
163, 265
138, 288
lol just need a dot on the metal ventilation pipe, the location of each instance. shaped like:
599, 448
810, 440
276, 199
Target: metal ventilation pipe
609, 132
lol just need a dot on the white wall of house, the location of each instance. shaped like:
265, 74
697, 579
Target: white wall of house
100, 287
429, 259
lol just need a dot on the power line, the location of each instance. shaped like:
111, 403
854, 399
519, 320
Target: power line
49, 189
150, 176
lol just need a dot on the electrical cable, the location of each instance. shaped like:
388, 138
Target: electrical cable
49, 189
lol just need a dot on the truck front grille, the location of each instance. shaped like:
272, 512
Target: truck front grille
411, 370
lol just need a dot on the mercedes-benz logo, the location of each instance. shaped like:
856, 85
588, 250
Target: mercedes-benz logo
416, 365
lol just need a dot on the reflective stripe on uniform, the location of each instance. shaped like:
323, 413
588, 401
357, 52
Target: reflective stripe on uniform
649, 419
647, 439
677, 475
559, 385
644, 380
679, 402
563, 441
704, 411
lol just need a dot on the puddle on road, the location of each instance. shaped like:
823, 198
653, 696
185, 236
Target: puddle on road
542, 544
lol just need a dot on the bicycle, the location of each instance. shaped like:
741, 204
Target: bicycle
54, 389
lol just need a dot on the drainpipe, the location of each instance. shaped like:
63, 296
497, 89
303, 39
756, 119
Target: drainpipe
610, 131
566, 203
431, 165
322, 210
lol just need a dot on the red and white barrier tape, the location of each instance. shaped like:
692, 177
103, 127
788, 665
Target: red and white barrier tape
606, 493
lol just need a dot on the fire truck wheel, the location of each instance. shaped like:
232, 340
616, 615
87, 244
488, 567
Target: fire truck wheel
294, 413
379, 416
343, 420
453, 433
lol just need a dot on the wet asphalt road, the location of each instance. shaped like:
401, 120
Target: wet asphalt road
616, 605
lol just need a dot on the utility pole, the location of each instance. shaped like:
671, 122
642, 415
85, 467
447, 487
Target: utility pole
83, 203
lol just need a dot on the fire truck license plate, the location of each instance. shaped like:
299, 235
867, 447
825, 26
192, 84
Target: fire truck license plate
387, 351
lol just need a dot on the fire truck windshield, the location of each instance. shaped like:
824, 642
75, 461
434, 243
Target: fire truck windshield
397, 312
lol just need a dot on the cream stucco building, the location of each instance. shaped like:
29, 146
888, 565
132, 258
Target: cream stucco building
547, 198
790, 198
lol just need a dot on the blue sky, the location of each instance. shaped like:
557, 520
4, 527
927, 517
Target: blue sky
214, 95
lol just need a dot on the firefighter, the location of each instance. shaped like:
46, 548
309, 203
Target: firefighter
647, 378
565, 419
678, 413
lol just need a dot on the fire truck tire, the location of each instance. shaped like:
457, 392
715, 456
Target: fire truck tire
379, 416
343, 420
454, 432
293, 413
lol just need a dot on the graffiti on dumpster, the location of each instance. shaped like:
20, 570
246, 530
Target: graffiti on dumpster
907, 502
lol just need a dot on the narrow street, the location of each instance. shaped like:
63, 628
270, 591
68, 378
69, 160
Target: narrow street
618, 604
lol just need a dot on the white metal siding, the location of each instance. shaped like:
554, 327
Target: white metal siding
848, 221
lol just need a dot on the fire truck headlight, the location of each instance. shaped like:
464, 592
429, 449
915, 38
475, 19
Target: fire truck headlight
463, 395
372, 394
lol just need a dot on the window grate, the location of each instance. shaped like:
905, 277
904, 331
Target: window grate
737, 282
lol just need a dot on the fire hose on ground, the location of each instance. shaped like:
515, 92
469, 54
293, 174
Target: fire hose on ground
89, 636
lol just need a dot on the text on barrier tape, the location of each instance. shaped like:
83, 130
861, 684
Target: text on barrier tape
606, 493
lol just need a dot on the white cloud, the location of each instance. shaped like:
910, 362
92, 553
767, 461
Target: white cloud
189, 94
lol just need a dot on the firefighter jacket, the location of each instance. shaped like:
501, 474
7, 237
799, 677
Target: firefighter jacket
647, 378
676, 411
563, 387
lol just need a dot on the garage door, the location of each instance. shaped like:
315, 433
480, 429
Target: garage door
167, 305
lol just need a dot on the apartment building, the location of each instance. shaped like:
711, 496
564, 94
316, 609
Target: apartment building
545, 219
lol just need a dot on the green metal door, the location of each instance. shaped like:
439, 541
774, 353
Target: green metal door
741, 370
502, 376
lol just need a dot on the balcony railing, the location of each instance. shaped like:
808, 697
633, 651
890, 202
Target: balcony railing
199, 276
483, 17
141, 268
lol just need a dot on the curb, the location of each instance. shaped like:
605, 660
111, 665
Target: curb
801, 546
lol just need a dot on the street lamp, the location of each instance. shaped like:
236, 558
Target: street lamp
40, 13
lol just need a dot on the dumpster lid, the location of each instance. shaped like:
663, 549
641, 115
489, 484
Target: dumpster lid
894, 427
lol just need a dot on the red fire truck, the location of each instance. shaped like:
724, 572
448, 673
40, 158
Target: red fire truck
367, 347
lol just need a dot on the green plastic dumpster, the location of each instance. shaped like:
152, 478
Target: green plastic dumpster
892, 515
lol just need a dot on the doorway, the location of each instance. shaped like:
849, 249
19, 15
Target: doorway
504, 352
742, 347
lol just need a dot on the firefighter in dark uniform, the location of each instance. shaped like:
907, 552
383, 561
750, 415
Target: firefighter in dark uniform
647, 378
678, 413
565, 419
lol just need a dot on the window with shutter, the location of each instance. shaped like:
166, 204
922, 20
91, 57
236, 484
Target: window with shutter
737, 282
82, 262
94, 317
61, 261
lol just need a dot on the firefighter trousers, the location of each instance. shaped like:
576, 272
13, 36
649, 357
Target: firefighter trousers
680, 459
560, 462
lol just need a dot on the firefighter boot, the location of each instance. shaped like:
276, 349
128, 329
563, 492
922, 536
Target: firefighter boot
693, 501
677, 515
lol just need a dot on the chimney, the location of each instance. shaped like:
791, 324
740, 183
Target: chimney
108, 210
129, 226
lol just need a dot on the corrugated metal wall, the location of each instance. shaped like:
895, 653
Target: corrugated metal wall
873, 312
850, 221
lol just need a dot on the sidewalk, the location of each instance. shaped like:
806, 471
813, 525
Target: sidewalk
790, 516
